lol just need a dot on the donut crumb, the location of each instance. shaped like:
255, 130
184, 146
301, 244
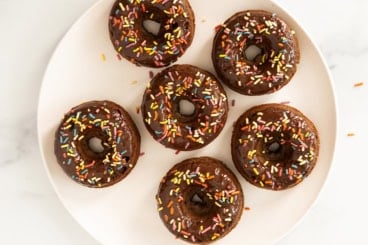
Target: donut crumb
118, 56
350, 134
151, 74
232, 103
134, 82
141, 154
137, 109
177, 152
359, 84
246, 208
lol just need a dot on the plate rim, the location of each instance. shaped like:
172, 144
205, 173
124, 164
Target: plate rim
277, 5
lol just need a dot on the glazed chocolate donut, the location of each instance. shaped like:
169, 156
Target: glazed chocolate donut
141, 47
163, 115
200, 200
119, 148
269, 70
274, 146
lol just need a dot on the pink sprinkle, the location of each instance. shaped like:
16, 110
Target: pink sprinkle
207, 229
285, 102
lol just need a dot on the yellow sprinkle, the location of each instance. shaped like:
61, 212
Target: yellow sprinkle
121, 6
103, 57
218, 204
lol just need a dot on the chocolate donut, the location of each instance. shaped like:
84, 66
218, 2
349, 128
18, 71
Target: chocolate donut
270, 69
106, 164
274, 146
200, 200
141, 47
163, 115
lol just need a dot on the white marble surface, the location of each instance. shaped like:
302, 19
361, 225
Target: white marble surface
29, 209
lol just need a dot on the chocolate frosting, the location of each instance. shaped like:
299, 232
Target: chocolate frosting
139, 46
200, 200
270, 70
274, 146
161, 107
119, 137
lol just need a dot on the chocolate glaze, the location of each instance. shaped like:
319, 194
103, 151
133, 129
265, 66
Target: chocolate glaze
141, 47
119, 137
200, 200
270, 70
161, 113
274, 146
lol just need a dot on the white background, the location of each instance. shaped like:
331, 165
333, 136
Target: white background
29, 209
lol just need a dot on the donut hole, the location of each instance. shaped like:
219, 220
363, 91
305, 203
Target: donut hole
277, 151
274, 147
197, 202
186, 108
151, 26
95, 145
251, 52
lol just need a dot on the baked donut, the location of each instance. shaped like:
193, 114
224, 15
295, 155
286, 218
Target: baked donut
163, 113
142, 47
270, 69
274, 146
101, 165
200, 200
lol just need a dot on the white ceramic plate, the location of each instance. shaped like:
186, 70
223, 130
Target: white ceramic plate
126, 212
